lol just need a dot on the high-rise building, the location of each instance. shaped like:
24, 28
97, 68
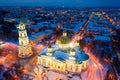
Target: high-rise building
24, 45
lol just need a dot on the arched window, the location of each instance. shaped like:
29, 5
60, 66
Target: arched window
22, 34
58, 67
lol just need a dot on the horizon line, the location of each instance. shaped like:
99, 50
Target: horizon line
63, 6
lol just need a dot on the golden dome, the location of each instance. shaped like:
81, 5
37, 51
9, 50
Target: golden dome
64, 40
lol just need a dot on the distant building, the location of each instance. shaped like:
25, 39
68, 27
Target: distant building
101, 38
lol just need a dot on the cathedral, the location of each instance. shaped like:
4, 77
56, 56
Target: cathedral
64, 56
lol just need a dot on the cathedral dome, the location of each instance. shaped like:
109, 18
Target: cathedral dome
64, 40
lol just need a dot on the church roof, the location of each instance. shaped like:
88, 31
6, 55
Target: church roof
64, 40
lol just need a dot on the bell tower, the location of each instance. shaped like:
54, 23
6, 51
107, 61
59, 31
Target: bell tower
24, 45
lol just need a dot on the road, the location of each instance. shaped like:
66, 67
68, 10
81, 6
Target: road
81, 32
83, 28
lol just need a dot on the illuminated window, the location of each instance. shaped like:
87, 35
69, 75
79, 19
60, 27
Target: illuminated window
58, 67
22, 43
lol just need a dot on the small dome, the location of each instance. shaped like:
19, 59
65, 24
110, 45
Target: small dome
49, 46
72, 50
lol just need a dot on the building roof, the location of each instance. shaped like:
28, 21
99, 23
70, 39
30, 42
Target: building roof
1, 31
64, 40
101, 38
76, 28
63, 55
38, 34
42, 33
41, 24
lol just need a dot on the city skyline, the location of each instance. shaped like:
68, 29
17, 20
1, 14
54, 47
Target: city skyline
66, 3
59, 43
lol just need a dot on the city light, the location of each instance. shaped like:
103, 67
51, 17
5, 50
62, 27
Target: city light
59, 40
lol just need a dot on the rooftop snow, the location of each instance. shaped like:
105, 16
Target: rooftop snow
102, 38
76, 28
15, 31
42, 32
38, 34
62, 55
41, 24
32, 38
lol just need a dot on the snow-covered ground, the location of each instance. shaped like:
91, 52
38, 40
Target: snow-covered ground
53, 75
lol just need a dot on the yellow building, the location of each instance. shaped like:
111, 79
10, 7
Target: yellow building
24, 46
61, 57
57, 65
